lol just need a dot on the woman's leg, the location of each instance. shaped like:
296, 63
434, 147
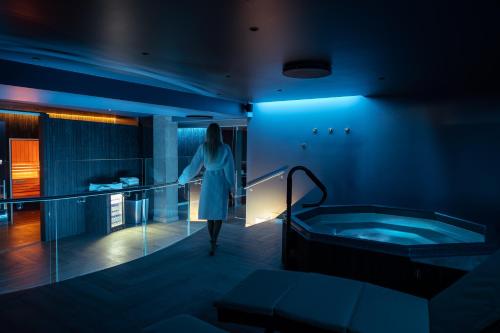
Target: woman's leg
210, 225
215, 234
217, 226
211, 229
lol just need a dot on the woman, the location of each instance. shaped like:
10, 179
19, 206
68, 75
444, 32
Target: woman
218, 180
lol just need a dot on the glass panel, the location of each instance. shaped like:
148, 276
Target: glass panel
167, 223
98, 232
57, 239
27, 253
266, 200
194, 190
239, 152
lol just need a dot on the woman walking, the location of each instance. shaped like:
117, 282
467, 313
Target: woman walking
218, 180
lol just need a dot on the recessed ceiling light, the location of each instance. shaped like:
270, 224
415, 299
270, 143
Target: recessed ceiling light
381, 78
279, 90
254, 28
228, 76
219, 94
145, 53
307, 69
35, 58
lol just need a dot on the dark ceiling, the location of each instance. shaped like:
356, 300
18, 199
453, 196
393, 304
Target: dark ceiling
206, 47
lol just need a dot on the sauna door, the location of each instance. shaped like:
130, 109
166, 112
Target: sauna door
4, 173
25, 168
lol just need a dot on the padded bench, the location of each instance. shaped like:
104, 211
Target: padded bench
293, 301
253, 300
332, 304
182, 324
311, 302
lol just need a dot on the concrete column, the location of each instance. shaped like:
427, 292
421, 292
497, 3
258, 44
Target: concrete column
165, 168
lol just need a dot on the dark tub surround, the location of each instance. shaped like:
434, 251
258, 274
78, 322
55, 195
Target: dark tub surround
389, 246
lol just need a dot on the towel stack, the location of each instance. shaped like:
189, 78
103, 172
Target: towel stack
105, 187
129, 181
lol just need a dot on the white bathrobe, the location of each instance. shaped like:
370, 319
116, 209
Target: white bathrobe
218, 180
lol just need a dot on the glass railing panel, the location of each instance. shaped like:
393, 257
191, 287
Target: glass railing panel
194, 191
168, 223
51, 239
73, 236
119, 227
27, 253
89, 237
265, 198
238, 201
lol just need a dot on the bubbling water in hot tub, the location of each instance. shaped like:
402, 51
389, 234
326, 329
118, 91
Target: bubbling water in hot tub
387, 228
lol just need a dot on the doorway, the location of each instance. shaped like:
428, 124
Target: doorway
25, 183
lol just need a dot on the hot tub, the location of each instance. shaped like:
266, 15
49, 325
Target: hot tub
389, 246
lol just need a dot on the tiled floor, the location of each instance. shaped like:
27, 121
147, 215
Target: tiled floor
182, 278
24, 231
29, 264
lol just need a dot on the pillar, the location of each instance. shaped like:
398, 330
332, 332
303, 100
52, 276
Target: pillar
165, 168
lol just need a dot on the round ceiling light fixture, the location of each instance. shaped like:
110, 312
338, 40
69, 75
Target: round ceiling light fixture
199, 116
307, 69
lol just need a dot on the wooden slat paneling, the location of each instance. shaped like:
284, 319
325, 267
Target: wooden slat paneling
20, 126
75, 153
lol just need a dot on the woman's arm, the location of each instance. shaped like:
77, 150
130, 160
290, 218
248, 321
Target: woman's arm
229, 169
193, 168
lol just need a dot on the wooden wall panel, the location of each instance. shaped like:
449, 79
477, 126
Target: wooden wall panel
75, 153
20, 126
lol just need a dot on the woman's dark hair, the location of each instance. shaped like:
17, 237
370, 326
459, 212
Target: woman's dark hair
213, 140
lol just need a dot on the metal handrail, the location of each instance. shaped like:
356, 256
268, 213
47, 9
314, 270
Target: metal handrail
89, 194
289, 186
275, 173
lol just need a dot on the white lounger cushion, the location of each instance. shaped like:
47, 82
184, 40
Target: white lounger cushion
322, 301
183, 324
382, 310
260, 291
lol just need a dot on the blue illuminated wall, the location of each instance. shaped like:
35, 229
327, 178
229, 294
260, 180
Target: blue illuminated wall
429, 154
188, 139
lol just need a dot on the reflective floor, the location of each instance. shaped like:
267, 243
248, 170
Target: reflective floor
24, 231
33, 264
180, 279
393, 229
